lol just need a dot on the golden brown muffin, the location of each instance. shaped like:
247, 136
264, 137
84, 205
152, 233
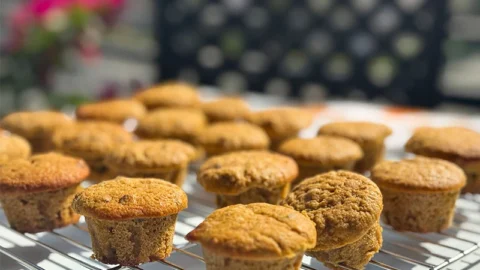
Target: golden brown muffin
116, 111
248, 177
254, 236
91, 141
419, 194
322, 154
358, 253
226, 110
131, 221
169, 94
370, 136
221, 138
345, 207
163, 159
172, 123
36, 193
281, 123
13, 147
455, 144
37, 127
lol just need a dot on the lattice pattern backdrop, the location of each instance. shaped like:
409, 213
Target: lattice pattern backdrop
348, 48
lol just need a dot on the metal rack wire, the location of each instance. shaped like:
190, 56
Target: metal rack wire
455, 248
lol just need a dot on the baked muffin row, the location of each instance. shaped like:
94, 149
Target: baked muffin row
238, 175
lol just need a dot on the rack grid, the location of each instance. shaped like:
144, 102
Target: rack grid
70, 248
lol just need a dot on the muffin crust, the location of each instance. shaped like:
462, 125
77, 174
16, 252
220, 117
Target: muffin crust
255, 231
172, 123
237, 172
419, 175
228, 136
90, 140
39, 173
281, 123
13, 147
116, 111
226, 109
343, 205
449, 143
126, 198
161, 154
361, 132
322, 150
34, 124
169, 94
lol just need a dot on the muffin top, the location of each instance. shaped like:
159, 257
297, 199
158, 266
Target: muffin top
184, 124
280, 122
231, 136
448, 143
255, 231
419, 175
34, 124
111, 110
359, 132
226, 109
170, 94
13, 147
129, 198
237, 172
344, 206
90, 139
44, 172
323, 150
161, 154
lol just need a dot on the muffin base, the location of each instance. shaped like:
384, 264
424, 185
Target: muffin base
131, 242
254, 195
355, 255
372, 153
472, 171
418, 212
41, 145
217, 262
99, 172
41, 211
306, 171
175, 176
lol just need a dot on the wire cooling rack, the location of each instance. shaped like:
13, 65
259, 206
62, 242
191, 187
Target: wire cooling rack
70, 247
457, 248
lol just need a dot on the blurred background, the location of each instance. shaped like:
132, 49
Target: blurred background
60, 53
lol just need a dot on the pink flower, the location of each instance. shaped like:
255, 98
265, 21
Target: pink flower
99, 4
40, 8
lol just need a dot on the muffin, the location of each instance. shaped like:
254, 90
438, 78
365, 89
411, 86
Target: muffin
131, 221
247, 177
37, 127
91, 141
164, 159
455, 144
226, 110
254, 236
13, 147
356, 255
116, 111
419, 194
228, 137
173, 123
281, 123
36, 193
169, 94
370, 137
346, 208
322, 154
